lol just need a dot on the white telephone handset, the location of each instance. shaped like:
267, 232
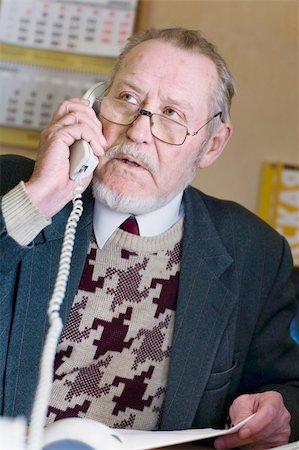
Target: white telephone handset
82, 160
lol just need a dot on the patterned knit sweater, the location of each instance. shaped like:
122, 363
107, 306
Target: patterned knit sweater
112, 360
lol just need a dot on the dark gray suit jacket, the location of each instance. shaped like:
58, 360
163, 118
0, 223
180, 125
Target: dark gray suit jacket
234, 308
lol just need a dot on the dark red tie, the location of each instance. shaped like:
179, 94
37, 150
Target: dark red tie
130, 225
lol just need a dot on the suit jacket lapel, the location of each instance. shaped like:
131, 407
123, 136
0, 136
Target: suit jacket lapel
203, 310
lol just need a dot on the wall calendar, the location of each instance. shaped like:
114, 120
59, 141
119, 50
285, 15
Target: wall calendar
51, 50
89, 27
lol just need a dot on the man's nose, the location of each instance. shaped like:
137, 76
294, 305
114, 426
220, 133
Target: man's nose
140, 130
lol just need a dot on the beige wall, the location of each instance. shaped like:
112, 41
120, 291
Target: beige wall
259, 39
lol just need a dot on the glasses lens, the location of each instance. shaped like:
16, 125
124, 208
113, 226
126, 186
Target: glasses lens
124, 113
118, 111
168, 130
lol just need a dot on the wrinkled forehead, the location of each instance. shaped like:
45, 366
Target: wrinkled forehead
168, 57
163, 64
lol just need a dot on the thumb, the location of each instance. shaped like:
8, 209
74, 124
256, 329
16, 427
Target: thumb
242, 407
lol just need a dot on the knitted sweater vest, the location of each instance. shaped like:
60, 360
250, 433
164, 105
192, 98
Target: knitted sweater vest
112, 359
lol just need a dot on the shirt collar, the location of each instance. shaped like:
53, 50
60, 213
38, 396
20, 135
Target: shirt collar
106, 221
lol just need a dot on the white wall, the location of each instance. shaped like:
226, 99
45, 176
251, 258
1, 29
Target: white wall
259, 39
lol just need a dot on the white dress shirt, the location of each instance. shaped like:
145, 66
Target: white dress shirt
106, 221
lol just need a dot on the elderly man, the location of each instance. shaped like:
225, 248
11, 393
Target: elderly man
180, 325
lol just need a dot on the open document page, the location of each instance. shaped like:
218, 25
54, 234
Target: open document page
101, 437
145, 440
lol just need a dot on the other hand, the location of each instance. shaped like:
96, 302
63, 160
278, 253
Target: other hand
270, 427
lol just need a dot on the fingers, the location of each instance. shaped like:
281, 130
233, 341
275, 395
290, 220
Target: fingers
71, 105
74, 120
75, 126
268, 428
242, 407
269, 412
50, 187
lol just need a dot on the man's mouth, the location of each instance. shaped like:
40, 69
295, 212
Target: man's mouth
132, 157
128, 160
130, 163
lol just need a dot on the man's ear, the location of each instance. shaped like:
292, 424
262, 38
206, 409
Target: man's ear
216, 145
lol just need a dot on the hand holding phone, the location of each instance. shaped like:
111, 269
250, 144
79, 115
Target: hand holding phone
82, 160
60, 159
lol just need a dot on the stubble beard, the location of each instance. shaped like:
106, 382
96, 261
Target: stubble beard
135, 204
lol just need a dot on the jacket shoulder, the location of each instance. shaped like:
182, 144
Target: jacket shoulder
232, 219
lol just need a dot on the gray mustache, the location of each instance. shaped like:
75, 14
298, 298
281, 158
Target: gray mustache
131, 150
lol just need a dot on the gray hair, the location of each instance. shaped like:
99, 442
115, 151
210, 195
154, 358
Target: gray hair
190, 40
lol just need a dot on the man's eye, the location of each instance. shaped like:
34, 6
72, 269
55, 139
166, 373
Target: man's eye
128, 98
172, 114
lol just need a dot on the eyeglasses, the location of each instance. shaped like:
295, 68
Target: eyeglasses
163, 128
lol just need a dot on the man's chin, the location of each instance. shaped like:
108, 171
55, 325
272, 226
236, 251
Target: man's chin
125, 203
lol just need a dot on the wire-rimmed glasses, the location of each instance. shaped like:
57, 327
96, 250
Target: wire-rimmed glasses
163, 128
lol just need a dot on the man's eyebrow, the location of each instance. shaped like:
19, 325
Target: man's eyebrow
179, 102
167, 100
129, 84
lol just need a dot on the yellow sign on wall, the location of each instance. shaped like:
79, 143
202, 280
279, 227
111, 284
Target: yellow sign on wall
279, 204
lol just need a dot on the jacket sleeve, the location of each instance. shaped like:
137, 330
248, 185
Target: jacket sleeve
20, 219
272, 362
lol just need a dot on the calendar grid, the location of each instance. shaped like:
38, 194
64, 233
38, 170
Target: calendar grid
52, 50
99, 28
29, 95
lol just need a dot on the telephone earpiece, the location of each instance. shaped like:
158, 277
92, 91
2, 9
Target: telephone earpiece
82, 160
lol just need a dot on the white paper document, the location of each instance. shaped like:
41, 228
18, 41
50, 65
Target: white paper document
145, 440
101, 437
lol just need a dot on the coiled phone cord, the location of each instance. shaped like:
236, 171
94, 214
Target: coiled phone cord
43, 391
